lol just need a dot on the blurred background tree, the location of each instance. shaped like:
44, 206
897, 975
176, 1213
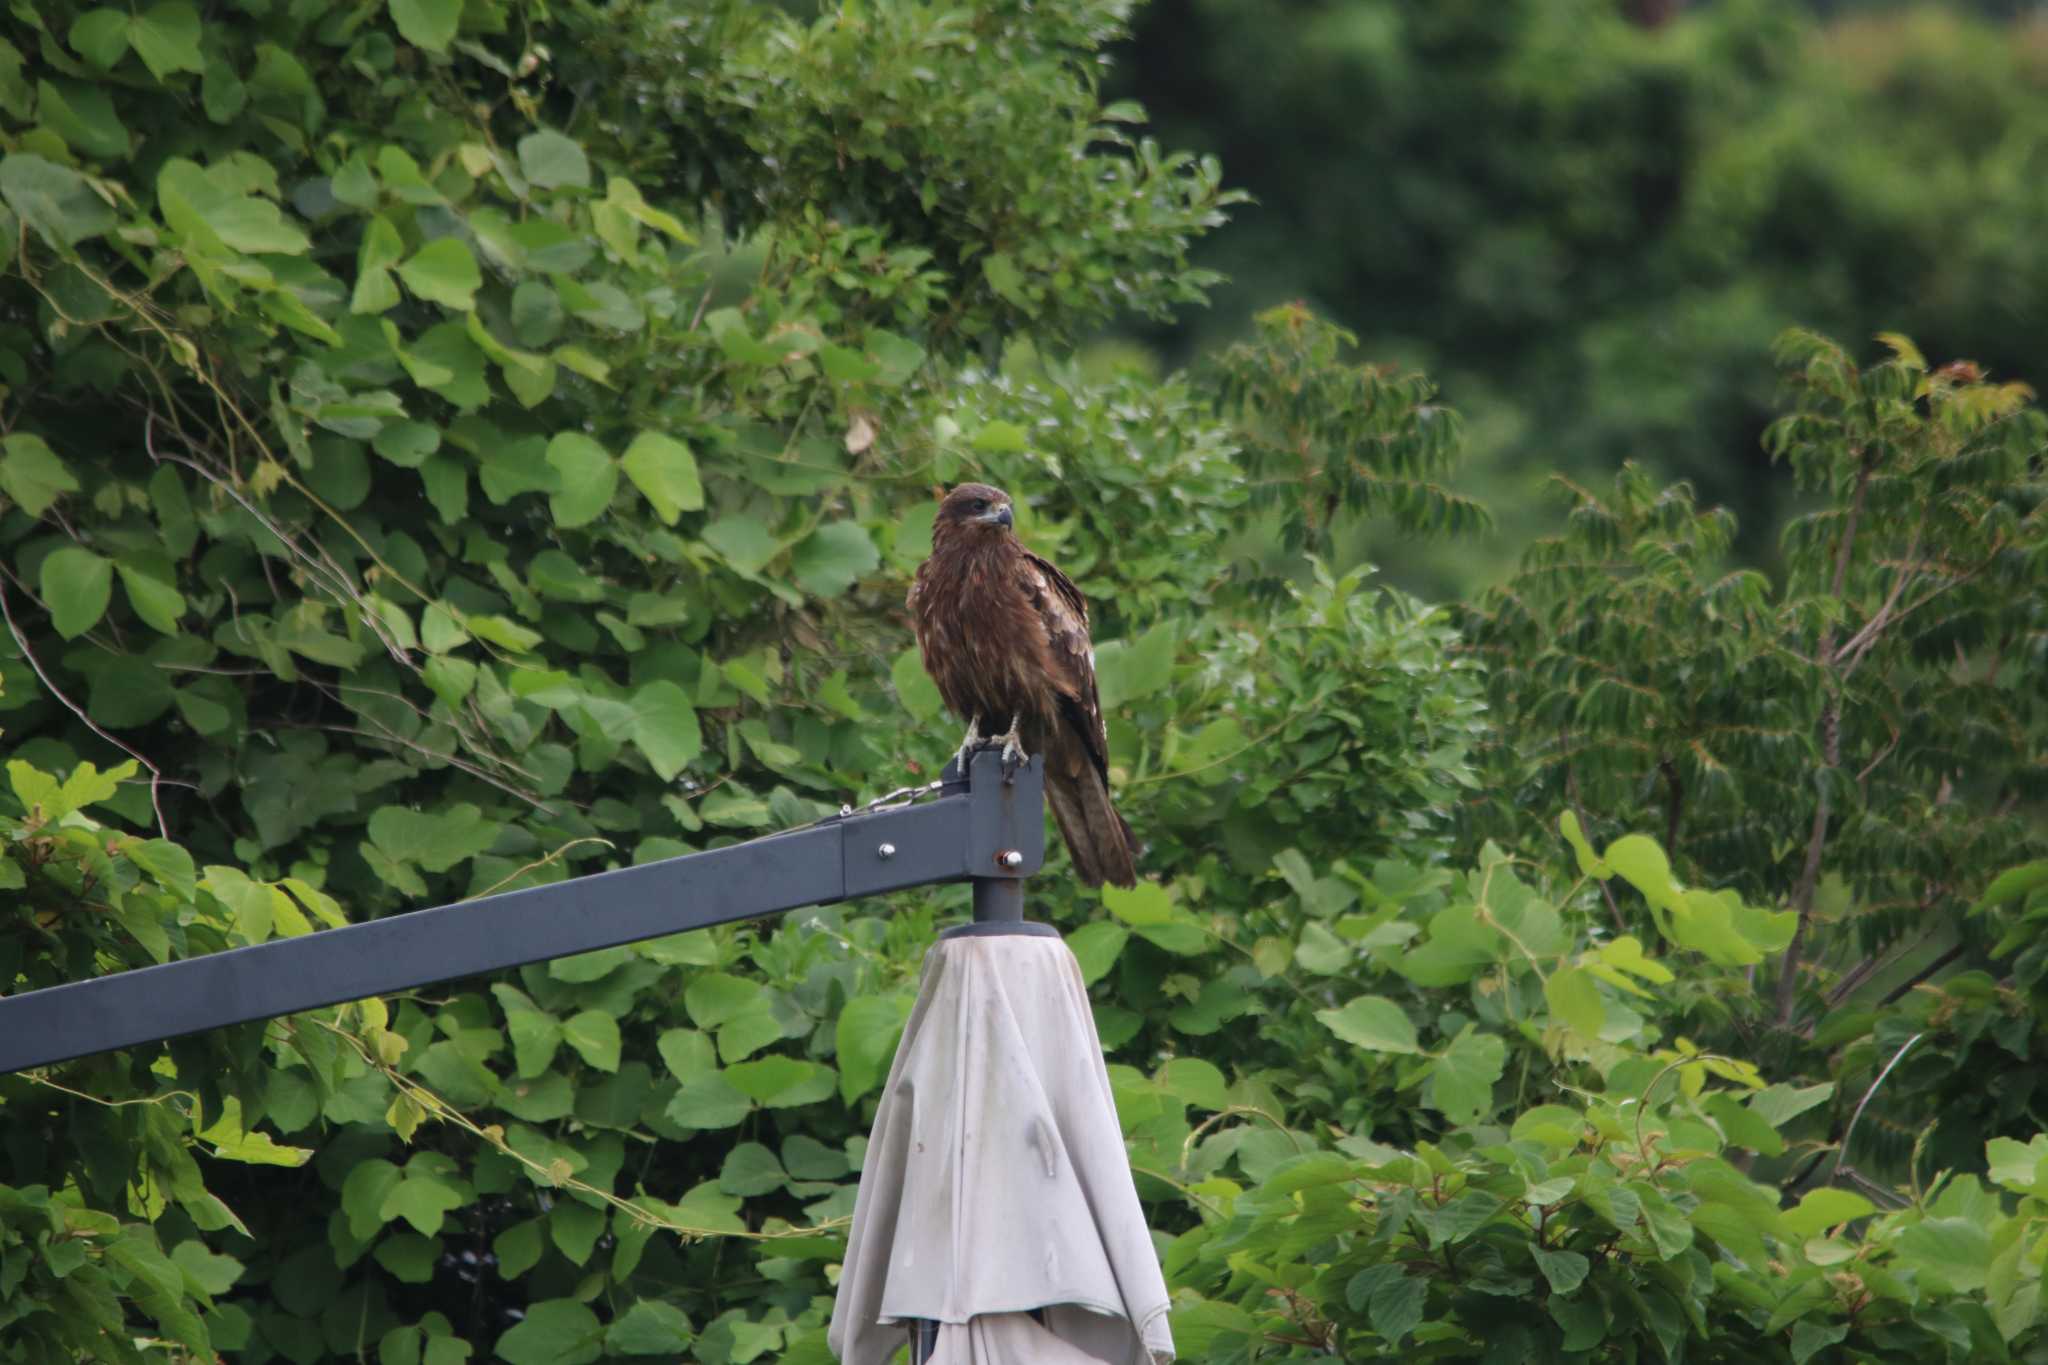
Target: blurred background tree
1588, 229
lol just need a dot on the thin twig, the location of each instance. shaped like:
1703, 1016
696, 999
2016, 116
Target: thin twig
1892, 996
1850, 1131
452, 759
156, 776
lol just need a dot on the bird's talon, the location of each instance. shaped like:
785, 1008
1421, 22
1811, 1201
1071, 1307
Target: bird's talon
1014, 756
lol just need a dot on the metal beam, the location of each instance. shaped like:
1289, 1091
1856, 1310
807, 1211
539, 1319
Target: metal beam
988, 828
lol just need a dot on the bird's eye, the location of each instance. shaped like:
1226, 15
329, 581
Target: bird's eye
981, 504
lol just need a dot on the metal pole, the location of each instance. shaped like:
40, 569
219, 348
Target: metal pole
988, 828
998, 900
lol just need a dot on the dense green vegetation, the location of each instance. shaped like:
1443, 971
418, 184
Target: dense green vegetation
1589, 231
449, 447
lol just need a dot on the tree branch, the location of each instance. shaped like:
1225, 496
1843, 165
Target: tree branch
156, 776
1831, 758
1674, 803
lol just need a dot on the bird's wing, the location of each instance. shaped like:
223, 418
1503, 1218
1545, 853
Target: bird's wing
1071, 654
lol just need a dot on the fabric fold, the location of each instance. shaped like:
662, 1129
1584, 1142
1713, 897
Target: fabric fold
996, 1182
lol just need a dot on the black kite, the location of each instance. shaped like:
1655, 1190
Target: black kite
1005, 637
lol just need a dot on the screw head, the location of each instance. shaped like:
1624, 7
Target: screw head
1011, 859
885, 851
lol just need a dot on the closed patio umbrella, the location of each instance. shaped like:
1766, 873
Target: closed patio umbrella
996, 1200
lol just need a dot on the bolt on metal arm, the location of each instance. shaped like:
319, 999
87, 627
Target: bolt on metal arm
985, 828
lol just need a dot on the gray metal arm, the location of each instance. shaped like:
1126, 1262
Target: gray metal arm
984, 829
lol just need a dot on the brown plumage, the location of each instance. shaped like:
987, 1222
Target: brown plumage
1005, 637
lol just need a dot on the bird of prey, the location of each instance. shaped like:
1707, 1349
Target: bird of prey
1005, 637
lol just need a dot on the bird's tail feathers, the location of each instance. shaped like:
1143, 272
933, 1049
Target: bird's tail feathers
1097, 837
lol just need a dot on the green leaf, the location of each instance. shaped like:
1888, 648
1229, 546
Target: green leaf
32, 474
575, 1229
866, 1035
665, 728
714, 997
589, 478
780, 1082
914, 687
368, 1184
83, 115
205, 1271
1777, 1105
1144, 904
649, 1328
1001, 438
1954, 1251
100, 36
1096, 946
436, 841
708, 1102
1566, 1270
1320, 952
1575, 998
2013, 883
550, 160
832, 558
444, 272
1465, 1075
595, 965
166, 37
407, 444
58, 202
1743, 1126
1129, 670
157, 1284
430, 24
409, 1257
1003, 277
2015, 1165
423, 1202
1195, 1081
216, 219
1589, 865
77, 585
1810, 1337
687, 1053
843, 366
535, 1036
743, 542
555, 1332
1372, 1022
1670, 1230
1395, 1306
1642, 863
536, 313
899, 358
751, 1169
155, 601
222, 95
518, 1248
1824, 1208
595, 1036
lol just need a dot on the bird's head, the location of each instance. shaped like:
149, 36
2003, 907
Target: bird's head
974, 509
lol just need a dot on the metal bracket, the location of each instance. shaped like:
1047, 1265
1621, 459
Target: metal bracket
988, 828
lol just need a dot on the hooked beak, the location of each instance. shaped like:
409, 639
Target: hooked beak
1001, 516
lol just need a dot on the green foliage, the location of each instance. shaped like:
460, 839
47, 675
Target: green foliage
1588, 230
1327, 438
1873, 719
1610, 1208
450, 448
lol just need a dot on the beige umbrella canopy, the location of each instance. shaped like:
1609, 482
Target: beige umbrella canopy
996, 1200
